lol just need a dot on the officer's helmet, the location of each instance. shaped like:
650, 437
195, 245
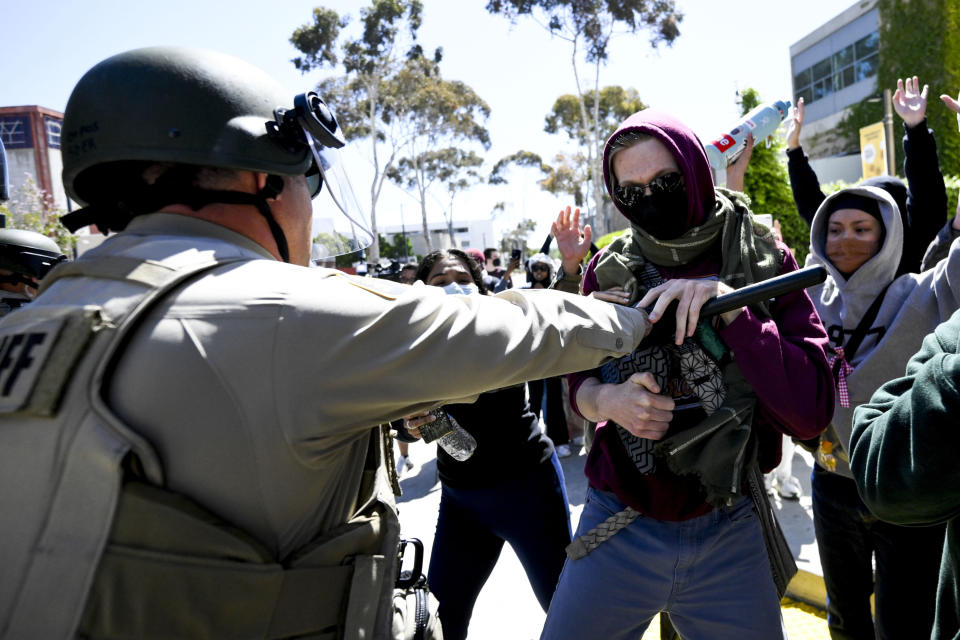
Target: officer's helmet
27, 256
192, 107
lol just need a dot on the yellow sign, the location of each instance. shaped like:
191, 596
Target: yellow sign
873, 150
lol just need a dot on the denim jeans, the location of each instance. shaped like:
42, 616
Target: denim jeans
907, 565
711, 574
554, 415
530, 511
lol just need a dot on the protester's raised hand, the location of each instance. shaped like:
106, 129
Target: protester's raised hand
738, 168
910, 102
794, 124
572, 243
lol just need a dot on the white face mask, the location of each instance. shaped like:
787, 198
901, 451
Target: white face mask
462, 289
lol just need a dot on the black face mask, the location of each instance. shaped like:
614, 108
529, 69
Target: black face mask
495, 262
662, 215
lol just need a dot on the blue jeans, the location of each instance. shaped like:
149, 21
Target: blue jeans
711, 574
548, 393
907, 565
530, 511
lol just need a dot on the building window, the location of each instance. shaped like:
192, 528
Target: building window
15, 132
53, 132
853, 63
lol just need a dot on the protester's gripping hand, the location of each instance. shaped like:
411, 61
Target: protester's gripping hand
738, 168
794, 124
413, 422
637, 406
910, 102
690, 296
572, 242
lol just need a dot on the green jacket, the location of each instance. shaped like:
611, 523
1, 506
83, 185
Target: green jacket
903, 452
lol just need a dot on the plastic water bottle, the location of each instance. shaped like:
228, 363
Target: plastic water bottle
454, 439
763, 120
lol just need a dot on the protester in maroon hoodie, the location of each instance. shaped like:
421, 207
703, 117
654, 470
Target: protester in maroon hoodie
685, 425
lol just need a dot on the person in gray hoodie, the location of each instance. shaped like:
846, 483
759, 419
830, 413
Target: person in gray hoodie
875, 322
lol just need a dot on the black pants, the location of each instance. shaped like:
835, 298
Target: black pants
907, 559
529, 511
553, 413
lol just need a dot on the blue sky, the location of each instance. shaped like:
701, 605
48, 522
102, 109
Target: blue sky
519, 70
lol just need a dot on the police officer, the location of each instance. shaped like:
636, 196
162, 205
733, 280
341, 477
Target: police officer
211, 468
25, 257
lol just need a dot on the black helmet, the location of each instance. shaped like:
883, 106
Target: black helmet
188, 107
28, 255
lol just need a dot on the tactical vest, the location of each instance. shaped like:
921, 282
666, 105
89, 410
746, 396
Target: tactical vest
91, 544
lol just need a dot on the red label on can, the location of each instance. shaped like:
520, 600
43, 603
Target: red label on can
724, 142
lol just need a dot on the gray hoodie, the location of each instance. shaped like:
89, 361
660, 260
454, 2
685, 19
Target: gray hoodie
912, 307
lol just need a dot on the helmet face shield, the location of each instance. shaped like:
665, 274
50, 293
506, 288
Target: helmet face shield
340, 225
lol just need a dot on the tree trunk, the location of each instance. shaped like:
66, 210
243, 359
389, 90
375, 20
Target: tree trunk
374, 253
596, 170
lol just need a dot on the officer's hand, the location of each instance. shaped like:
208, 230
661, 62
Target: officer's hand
412, 423
690, 296
637, 406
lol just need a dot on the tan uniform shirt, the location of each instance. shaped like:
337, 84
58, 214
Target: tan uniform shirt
258, 382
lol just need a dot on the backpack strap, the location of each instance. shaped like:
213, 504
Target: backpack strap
68, 547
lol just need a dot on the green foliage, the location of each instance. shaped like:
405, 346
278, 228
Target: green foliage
570, 174
32, 209
767, 184
401, 247
334, 243
917, 38
606, 239
589, 26
368, 96
520, 159
593, 21
441, 115
953, 191
452, 166
616, 104
317, 40
517, 237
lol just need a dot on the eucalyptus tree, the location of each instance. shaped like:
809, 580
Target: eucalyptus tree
441, 116
589, 26
365, 91
580, 173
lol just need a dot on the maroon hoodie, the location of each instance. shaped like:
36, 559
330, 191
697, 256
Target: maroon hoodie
782, 356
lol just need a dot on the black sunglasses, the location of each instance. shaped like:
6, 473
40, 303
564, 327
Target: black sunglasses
539, 267
630, 195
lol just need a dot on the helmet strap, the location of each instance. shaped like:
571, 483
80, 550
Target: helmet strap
199, 198
193, 197
16, 278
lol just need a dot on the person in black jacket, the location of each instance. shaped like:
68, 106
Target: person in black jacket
923, 206
510, 490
